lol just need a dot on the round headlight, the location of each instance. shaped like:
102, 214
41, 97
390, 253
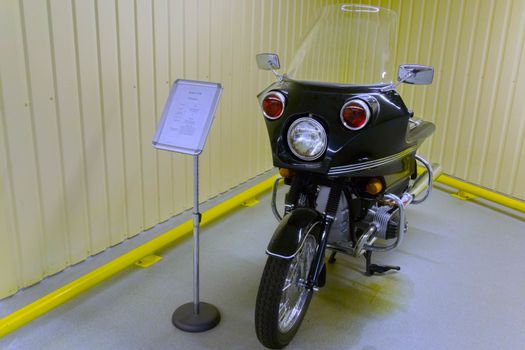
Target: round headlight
307, 139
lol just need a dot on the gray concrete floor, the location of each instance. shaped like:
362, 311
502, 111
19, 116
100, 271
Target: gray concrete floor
462, 286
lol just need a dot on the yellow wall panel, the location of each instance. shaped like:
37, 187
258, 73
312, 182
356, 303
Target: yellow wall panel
162, 84
512, 179
83, 85
9, 248
22, 200
130, 115
40, 68
72, 149
146, 103
111, 116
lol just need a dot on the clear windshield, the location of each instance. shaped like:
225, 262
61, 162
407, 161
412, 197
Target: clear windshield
349, 44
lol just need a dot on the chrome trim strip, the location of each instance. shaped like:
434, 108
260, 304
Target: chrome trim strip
298, 249
370, 164
281, 256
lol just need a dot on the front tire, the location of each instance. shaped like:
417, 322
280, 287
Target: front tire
283, 299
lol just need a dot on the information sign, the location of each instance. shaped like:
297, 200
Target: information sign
187, 116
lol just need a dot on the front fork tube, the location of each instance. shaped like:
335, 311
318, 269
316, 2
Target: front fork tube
328, 218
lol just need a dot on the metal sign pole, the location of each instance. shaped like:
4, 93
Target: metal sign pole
196, 316
196, 224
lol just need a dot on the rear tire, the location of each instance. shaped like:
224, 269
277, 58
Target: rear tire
282, 299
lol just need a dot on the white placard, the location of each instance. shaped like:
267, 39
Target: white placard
187, 116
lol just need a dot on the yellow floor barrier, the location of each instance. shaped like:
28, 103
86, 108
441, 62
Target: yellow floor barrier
481, 192
39, 307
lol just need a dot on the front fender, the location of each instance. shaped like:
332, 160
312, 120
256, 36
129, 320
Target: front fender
291, 232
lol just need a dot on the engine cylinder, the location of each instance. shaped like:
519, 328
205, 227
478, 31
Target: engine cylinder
386, 220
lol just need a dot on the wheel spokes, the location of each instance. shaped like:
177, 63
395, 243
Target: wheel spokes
287, 286
294, 295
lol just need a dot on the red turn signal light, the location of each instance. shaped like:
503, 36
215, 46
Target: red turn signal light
355, 114
273, 105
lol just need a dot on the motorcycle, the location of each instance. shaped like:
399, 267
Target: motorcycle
347, 153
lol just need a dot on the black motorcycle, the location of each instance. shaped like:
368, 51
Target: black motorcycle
347, 153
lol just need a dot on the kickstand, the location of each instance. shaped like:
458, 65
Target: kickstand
374, 268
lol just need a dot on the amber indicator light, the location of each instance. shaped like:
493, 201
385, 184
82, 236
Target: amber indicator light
374, 186
286, 173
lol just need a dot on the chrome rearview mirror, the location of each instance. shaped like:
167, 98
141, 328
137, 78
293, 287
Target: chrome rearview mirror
415, 74
268, 61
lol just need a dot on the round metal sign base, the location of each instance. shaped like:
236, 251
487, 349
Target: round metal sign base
185, 319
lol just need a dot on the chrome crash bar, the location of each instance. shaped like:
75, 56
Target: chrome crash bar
423, 183
274, 198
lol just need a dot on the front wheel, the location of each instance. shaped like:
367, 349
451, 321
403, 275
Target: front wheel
283, 299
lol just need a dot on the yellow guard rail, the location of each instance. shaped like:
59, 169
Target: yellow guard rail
39, 307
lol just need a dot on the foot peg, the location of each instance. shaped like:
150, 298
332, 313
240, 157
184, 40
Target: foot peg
374, 268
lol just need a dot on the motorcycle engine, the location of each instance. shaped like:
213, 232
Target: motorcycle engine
384, 217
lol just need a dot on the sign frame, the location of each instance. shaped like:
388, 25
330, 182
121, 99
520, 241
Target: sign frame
204, 108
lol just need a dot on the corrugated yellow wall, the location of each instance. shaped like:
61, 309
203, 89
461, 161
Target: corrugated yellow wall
476, 101
83, 83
